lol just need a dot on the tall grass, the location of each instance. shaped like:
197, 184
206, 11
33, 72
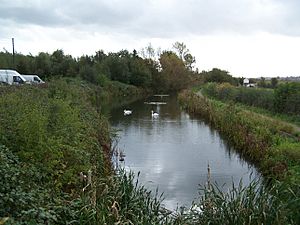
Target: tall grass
54, 128
255, 135
284, 100
258, 97
261, 139
65, 135
254, 204
122, 200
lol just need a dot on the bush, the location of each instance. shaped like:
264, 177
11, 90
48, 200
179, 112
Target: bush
262, 98
219, 76
56, 129
24, 196
287, 98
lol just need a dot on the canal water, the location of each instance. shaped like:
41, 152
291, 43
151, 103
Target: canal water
172, 151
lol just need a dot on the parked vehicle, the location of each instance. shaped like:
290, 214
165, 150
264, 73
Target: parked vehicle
10, 77
33, 79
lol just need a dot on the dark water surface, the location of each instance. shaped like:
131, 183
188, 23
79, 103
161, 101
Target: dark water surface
172, 151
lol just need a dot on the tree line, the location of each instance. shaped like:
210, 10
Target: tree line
170, 71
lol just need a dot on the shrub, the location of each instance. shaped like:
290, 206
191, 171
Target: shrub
263, 98
56, 129
287, 98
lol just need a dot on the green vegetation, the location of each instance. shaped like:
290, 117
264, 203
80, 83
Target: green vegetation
287, 98
26, 197
258, 137
273, 145
175, 76
262, 98
99, 69
122, 200
26, 200
219, 76
267, 84
253, 204
51, 134
55, 142
284, 99
54, 128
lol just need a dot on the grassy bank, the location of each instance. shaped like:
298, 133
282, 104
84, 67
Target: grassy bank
51, 134
282, 102
273, 145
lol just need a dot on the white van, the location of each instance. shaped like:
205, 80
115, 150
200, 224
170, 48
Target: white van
11, 77
33, 79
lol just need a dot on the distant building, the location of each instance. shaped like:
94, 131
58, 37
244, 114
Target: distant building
246, 82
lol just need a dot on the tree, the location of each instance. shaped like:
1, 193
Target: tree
189, 60
174, 73
134, 53
184, 54
148, 52
88, 73
57, 58
181, 49
5, 59
219, 76
262, 82
99, 56
274, 82
23, 66
118, 67
241, 81
140, 74
287, 98
43, 65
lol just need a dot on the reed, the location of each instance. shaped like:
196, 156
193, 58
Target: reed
253, 204
270, 143
60, 120
122, 200
261, 139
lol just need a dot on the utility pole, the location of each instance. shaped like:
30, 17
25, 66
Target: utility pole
13, 46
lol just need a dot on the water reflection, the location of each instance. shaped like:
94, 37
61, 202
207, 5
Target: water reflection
173, 151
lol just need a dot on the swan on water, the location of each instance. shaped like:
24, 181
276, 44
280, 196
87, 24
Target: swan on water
127, 112
154, 114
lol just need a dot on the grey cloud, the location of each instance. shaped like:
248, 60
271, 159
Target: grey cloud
26, 15
155, 18
290, 21
99, 13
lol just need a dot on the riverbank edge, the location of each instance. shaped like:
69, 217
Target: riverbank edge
118, 197
260, 139
104, 195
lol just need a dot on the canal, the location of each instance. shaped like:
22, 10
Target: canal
172, 151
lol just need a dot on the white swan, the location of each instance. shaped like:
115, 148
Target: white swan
127, 112
154, 114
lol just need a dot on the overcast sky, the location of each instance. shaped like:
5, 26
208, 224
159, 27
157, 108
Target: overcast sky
250, 38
